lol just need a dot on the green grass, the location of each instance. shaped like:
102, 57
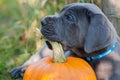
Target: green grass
11, 48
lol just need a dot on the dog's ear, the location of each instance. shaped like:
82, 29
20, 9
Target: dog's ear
101, 33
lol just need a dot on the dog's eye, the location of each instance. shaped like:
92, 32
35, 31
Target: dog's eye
69, 17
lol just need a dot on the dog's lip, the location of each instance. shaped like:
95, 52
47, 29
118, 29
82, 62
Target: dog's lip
65, 46
47, 32
47, 25
47, 41
48, 44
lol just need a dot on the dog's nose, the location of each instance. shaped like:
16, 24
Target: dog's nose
46, 20
43, 22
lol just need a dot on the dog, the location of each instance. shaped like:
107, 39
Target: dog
84, 31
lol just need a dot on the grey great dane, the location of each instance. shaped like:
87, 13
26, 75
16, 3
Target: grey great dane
84, 31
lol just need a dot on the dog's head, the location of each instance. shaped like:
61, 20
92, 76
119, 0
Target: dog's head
79, 25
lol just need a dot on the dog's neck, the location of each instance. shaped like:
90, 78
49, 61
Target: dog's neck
105, 51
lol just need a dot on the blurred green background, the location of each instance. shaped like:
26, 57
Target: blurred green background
19, 29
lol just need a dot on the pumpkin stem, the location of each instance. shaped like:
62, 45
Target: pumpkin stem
58, 53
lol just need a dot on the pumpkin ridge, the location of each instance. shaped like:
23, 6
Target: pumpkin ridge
86, 68
73, 74
45, 71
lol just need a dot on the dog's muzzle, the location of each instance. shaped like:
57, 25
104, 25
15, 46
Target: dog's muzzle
48, 28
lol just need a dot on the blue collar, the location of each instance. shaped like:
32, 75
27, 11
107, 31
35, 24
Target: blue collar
103, 54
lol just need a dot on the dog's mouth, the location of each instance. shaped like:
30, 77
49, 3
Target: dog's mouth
49, 44
49, 33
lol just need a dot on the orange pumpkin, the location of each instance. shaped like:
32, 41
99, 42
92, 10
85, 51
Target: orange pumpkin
71, 69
